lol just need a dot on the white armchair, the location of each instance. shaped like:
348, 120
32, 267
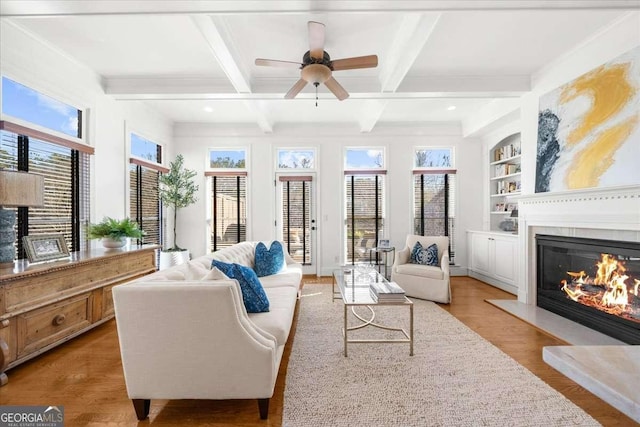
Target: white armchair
424, 281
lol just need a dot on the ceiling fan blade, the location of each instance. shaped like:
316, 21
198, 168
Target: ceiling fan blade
295, 89
316, 39
369, 61
277, 63
337, 90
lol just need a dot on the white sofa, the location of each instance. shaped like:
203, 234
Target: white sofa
182, 337
423, 281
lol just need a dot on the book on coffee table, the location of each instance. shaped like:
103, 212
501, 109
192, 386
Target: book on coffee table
386, 291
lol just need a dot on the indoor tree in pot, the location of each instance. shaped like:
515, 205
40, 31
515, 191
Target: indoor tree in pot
177, 190
114, 232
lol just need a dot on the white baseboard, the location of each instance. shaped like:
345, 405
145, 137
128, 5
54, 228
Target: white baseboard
494, 282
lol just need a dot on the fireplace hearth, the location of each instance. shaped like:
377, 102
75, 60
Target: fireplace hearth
591, 281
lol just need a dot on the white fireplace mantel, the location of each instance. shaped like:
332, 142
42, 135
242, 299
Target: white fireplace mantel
610, 213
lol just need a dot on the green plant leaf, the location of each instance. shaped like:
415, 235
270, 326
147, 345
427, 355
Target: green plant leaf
115, 229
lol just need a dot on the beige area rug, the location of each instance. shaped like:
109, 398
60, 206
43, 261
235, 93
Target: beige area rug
455, 378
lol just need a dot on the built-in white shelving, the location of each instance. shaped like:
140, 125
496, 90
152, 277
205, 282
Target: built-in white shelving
504, 180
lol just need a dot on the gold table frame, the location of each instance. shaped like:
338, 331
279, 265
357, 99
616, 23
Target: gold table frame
353, 289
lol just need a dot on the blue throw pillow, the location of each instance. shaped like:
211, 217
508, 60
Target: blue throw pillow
268, 261
428, 256
253, 296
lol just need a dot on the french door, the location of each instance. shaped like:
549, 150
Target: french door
296, 224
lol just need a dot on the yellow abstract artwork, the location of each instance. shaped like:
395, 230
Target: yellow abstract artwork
589, 129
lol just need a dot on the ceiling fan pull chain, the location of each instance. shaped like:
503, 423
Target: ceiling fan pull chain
316, 85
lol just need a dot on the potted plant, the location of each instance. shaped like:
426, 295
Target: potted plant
177, 190
114, 232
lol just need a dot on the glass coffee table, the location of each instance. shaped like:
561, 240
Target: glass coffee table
352, 285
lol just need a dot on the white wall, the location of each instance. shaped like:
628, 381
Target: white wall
582, 213
33, 63
330, 143
612, 41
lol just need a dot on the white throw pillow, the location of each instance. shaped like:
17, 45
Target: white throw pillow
215, 274
195, 271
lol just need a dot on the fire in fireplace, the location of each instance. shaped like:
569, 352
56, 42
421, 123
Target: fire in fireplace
593, 282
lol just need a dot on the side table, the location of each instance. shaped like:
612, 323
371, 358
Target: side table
386, 252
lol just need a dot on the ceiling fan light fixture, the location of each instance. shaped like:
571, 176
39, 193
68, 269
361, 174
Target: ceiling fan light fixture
316, 73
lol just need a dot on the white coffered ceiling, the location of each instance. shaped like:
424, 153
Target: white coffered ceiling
193, 61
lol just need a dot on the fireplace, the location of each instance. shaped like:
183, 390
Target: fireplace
591, 281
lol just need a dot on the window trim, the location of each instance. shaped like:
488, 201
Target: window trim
44, 136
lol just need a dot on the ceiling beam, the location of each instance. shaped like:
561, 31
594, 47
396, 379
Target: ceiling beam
413, 34
219, 39
499, 86
22, 8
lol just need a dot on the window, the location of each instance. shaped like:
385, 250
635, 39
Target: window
228, 183
65, 167
428, 158
144, 202
26, 104
434, 195
229, 220
296, 222
296, 159
227, 159
364, 202
56, 155
364, 158
144, 149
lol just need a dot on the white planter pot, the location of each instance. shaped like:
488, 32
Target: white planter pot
110, 243
169, 259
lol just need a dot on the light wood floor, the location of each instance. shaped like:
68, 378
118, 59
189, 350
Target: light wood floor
85, 374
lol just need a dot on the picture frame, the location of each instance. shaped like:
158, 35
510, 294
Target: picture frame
45, 247
384, 243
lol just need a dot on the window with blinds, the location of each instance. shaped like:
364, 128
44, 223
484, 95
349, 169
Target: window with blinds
296, 217
365, 200
145, 206
229, 209
66, 185
434, 191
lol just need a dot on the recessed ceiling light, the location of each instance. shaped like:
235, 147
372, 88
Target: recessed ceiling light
208, 109
451, 107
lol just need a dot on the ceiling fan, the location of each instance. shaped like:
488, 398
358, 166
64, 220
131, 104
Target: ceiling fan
317, 67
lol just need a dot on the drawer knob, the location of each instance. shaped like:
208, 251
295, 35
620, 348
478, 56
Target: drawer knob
59, 319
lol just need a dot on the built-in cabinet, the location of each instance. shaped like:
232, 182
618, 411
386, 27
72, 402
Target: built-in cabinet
45, 305
504, 182
494, 258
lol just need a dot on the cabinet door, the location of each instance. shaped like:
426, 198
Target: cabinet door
505, 257
480, 254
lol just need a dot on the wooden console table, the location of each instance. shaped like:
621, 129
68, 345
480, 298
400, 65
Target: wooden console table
45, 305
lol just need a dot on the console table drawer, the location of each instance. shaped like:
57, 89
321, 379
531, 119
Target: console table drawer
107, 302
44, 326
